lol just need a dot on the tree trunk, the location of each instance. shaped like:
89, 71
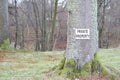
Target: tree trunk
51, 42
43, 30
23, 38
4, 33
16, 23
82, 15
101, 21
36, 14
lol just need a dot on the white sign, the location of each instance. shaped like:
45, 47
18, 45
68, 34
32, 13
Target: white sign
82, 33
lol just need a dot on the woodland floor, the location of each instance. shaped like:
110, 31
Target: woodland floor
37, 65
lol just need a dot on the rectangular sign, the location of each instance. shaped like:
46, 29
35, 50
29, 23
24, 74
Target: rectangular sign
82, 33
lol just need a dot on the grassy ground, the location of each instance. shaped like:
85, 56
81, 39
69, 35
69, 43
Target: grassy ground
111, 59
28, 66
36, 65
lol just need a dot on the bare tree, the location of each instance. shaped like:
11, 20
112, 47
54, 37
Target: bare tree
51, 42
39, 15
36, 13
16, 22
4, 32
102, 4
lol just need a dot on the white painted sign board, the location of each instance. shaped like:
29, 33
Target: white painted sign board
82, 33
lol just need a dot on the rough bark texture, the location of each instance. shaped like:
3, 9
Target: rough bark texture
82, 14
3, 20
44, 32
51, 42
16, 24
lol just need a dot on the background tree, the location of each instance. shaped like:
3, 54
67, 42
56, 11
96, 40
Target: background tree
16, 22
4, 33
108, 23
52, 34
36, 14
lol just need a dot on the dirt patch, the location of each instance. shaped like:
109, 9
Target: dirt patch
93, 77
6, 51
2, 57
50, 58
4, 54
21, 66
96, 77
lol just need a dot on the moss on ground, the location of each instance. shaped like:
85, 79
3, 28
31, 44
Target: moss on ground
67, 68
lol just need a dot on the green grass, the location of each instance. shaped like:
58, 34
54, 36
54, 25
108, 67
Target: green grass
37, 65
111, 59
28, 65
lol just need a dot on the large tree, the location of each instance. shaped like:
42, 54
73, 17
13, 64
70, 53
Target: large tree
82, 18
3, 20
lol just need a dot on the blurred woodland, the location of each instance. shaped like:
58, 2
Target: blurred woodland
42, 24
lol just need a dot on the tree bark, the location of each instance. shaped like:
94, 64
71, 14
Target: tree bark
101, 21
36, 14
43, 30
16, 23
4, 33
82, 15
51, 42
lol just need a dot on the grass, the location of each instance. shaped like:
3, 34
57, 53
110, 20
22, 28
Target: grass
111, 59
37, 65
27, 65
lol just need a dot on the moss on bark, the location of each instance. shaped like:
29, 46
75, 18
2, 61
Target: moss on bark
97, 67
67, 68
